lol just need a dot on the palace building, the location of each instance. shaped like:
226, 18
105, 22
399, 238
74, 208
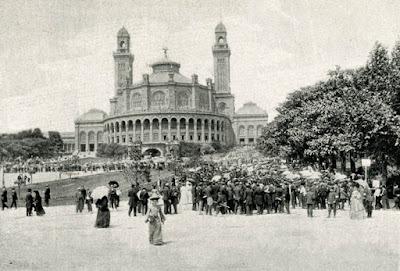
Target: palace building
165, 107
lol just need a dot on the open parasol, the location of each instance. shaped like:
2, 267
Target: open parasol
100, 192
113, 183
216, 178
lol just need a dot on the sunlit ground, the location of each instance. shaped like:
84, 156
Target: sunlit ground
64, 240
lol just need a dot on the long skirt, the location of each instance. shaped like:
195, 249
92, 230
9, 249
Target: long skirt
39, 210
356, 209
155, 233
103, 219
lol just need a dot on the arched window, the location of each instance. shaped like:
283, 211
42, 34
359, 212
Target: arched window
83, 137
221, 40
122, 44
259, 130
250, 131
158, 99
222, 107
241, 131
91, 137
100, 137
136, 101
183, 99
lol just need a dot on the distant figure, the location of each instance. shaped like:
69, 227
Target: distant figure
332, 198
310, 196
133, 200
103, 213
38, 204
155, 218
144, 196
79, 199
89, 200
4, 198
14, 198
29, 203
47, 195
356, 204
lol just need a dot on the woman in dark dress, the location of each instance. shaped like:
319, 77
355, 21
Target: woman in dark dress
103, 213
38, 204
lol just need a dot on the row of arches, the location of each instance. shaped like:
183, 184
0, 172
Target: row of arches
166, 129
123, 126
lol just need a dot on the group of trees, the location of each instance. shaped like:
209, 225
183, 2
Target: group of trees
354, 113
30, 143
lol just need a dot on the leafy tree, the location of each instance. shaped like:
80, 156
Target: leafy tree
56, 141
112, 150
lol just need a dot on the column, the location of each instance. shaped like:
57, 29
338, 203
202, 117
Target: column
202, 131
178, 130
246, 136
141, 131
134, 131
160, 136
187, 130
169, 130
151, 131
195, 131
77, 138
87, 142
95, 142
115, 132
127, 131
120, 133
209, 131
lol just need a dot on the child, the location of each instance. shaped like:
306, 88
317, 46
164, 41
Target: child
310, 196
155, 217
332, 197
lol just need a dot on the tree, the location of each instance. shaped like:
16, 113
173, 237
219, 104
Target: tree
113, 150
56, 141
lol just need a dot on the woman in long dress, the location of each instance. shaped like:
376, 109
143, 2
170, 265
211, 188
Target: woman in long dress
356, 204
155, 218
103, 213
38, 204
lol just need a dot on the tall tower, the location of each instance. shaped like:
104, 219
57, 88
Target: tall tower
222, 53
222, 75
123, 60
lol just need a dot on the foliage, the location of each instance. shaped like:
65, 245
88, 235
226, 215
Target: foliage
350, 113
113, 150
207, 149
189, 149
30, 143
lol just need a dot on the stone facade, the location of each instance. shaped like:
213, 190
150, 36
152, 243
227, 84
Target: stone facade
164, 106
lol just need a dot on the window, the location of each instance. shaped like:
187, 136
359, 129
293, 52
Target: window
250, 131
158, 99
221, 40
136, 101
183, 99
241, 131
222, 107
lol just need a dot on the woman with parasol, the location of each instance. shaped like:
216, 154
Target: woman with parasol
103, 213
155, 218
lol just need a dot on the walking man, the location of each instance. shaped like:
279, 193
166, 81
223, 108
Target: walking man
4, 198
133, 200
332, 197
29, 203
47, 195
14, 198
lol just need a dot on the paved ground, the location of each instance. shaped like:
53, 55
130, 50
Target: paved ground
63, 240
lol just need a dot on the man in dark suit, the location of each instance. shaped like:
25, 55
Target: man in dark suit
248, 199
133, 200
47, 195
237, 195
14, 198
4, 198
209, 201
29, 203
166, 192
175, 197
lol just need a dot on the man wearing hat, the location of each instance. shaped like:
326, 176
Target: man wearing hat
47, 195
29, 202
133, 200
14, 198
166, 192
4, 198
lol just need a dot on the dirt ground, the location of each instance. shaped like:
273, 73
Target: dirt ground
64, 240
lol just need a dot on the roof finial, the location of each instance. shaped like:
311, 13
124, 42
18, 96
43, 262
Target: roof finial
165, 49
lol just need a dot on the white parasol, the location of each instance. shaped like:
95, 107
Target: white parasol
100, 192
216, 178
339, 176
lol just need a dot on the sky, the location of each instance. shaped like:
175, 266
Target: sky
56, 56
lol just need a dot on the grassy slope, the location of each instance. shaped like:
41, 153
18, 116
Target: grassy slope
63, 191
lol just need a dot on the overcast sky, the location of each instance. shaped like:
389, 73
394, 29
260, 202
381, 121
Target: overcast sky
56, 56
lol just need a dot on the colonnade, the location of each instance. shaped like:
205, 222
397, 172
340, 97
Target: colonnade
154, 130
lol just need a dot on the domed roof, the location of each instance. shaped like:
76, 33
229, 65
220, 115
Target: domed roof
220, 28
93, 115
165, 61
123, 32
251, 108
